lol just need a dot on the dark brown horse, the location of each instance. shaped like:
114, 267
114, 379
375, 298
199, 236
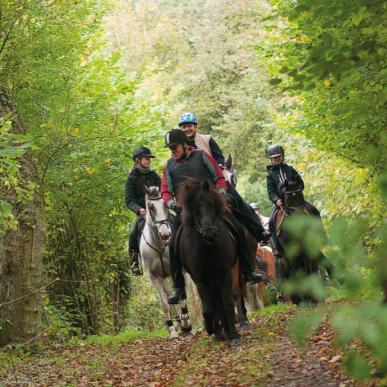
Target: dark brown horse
208, 252
299, 261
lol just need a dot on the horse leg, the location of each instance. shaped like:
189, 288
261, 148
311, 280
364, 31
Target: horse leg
186, 325
239, 301
208, 313
159, 285
225, 290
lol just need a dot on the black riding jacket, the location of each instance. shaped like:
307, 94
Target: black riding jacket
277, 174
134, 189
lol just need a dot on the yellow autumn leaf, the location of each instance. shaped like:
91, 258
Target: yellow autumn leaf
90, 170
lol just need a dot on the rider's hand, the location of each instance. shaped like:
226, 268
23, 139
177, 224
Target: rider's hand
177, 208
279, 202
142, 211
266, 236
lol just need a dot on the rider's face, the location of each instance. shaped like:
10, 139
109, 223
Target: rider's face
178, 150
277, 160
189, 129
144, 162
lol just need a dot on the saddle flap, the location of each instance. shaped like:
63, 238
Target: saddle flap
278, 220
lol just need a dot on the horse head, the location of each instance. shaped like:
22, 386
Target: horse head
229, 171
157, 213
293, 195
202, 206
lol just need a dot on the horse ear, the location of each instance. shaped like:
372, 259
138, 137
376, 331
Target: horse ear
228, 163
146, 189
206, 186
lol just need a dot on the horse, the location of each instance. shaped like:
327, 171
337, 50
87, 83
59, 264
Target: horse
255, 294
229, 172
208, 252
154, 255
297, 259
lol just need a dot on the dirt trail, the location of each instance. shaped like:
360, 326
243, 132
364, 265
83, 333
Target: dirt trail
267, 357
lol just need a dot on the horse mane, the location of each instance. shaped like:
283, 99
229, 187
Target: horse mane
191, 189
288, 186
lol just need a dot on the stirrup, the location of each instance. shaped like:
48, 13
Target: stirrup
136, 271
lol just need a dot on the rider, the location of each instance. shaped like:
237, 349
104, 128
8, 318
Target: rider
189, 162
279, 172
188, 123
141, 175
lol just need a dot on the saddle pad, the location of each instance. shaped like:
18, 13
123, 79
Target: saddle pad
278, 220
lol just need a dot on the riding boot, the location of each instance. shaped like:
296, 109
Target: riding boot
246, 266
133, 257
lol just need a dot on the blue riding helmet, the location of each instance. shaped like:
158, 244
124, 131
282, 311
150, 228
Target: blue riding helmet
188, 118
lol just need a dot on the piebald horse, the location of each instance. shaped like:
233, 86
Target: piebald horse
154, 254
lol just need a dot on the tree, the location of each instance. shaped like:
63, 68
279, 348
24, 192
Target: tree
21, 248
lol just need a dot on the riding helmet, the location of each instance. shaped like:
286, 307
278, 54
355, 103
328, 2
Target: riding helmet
174, 137
274, 151
142, 151
188, 118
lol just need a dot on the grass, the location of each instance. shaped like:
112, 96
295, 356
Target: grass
124, 337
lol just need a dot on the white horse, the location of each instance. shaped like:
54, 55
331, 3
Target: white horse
154, 254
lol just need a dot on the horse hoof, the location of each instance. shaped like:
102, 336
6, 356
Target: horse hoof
235, 342
185, 334
218, 338
186, 329
244, 325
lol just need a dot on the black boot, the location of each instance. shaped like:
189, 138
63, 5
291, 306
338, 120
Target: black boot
176, 296
134, 266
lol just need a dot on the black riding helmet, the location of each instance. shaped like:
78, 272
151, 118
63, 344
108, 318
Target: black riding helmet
274, 151
142, 151
174, 137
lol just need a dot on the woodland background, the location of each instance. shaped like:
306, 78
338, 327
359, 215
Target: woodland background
82, 83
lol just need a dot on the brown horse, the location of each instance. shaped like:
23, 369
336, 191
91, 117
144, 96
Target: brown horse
208, 253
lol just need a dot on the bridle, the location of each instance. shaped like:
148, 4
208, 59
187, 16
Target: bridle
203, 230
156, 224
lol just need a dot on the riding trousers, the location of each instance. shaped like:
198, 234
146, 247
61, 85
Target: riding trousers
245, 214
135, 232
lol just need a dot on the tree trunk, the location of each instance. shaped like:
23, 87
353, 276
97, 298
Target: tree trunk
21, 249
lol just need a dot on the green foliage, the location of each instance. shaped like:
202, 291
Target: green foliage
333, 57
12, 147
124, 337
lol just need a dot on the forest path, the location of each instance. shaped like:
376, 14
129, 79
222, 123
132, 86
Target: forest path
267, 357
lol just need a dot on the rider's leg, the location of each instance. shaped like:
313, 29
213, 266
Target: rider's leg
243, 255
246, 215
178, 292
133, 247
276, 247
